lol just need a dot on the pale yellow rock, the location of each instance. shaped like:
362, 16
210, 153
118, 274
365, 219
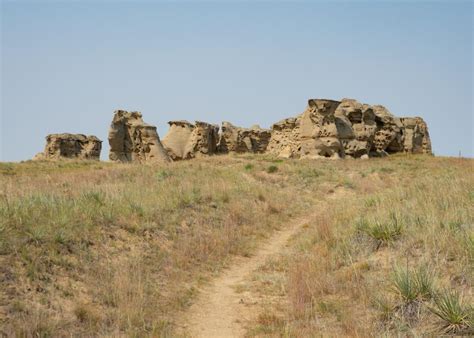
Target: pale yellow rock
185, 140
132, 140
336, 129
74, 146
416, 136
243, 140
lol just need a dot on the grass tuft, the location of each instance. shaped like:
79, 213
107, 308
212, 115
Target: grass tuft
411, 285
456, 318
382, 232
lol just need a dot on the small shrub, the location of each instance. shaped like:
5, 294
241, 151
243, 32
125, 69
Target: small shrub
248, 166
272, 169
96, 197
270, 320
309, 175
136, 209
348, 184
455, 316
86, 314
471, 195
387, 170
371, 202
225, 197
163, 175
326, 308
384, 306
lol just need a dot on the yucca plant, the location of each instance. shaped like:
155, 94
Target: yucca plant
404, 284
382, 232
424, 280
455, 316
385, 307
415, 284
413, 287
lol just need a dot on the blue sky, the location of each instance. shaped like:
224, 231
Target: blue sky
66, 66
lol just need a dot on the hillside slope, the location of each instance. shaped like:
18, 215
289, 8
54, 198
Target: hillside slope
89, 248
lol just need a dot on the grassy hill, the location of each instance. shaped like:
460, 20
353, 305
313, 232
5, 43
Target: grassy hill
93, 248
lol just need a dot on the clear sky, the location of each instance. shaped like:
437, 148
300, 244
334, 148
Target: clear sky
66, 66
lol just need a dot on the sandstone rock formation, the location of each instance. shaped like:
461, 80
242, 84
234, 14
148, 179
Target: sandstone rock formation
243, 140
327, 128
313, 134
185, 140
285, 138
356, 126
416, 136
347, 128
132, 140
75, 146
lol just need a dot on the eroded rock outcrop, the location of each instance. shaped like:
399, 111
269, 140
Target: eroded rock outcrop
356, 127
416, 136
132, 140
318, 131
243, 140
313, 134
347, 128
185, 140
285, 138
74, 146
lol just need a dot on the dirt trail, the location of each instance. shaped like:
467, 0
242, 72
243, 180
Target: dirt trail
220, 311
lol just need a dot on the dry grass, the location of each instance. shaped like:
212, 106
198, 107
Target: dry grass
394, 258
108, 249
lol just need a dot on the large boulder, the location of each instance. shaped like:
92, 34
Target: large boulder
132, 140
74, 146
185, 140
234, 139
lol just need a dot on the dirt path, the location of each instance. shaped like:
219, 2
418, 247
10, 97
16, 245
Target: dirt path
220, 311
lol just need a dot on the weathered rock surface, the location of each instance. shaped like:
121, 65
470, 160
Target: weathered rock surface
416, 136
356, 126
132, 140
318, 131
185, 140
347, 128
313, 134
284, 141
243, 140
74, 146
